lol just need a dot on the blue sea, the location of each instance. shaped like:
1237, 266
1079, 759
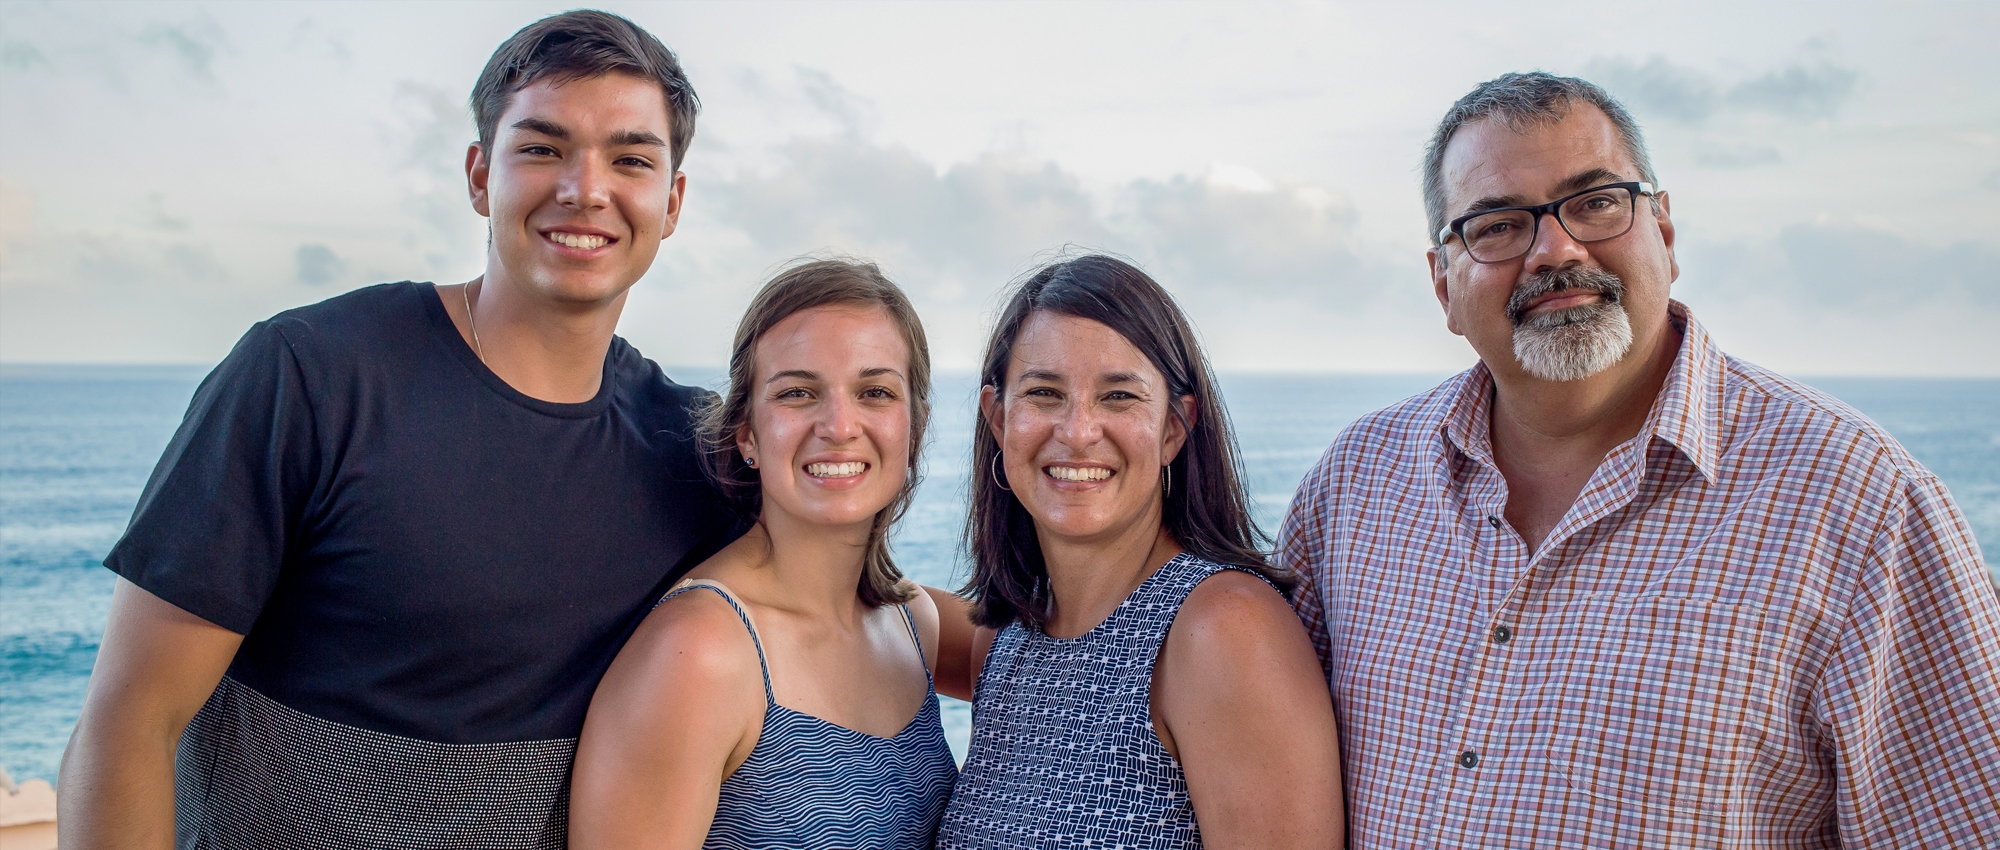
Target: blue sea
76, 445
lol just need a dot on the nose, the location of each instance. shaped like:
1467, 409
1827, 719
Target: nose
1554, 248
1078, 426
839, 420
585, 184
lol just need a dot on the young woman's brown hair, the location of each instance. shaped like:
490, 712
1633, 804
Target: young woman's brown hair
1206, 508
819, 283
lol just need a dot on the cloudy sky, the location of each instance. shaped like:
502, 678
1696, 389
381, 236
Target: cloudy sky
171, 173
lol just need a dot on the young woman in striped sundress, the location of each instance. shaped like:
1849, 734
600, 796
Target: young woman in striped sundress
780, 695
1141, 682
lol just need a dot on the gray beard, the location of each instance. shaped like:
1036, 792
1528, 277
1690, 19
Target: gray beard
1574, 343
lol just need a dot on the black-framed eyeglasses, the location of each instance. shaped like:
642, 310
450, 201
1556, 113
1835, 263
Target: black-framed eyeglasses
1592, 215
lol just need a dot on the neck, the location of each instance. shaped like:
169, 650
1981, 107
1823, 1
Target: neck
1089, 578
1549, 439
809, 569
547, 349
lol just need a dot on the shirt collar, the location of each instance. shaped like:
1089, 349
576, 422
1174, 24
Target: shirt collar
1690, 406
1685, 415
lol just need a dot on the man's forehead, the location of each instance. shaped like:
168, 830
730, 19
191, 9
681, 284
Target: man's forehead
1488, 159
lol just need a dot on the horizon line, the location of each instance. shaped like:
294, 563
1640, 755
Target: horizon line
30, 368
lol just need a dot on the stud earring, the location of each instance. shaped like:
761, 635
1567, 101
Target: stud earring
750, 462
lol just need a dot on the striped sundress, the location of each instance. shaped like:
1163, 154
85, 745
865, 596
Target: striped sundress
811, 784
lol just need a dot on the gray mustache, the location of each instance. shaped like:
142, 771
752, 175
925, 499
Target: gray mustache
1559, 280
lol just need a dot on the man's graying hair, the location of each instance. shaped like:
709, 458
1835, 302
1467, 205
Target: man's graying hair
1523, 102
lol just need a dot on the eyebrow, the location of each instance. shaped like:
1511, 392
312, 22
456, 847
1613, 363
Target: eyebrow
1108, 377
808, 375
1587, 179
800, 374
620, 139
1574, 183
636, 138
544, 127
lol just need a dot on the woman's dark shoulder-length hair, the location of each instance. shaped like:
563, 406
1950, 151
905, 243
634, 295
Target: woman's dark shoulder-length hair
819, 283
1206, 509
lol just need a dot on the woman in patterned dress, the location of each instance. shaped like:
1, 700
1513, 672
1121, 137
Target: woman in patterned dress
780, 696
1140, 680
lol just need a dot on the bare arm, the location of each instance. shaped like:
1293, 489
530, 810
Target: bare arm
678, 711
155, 668
962, 645
1239, 698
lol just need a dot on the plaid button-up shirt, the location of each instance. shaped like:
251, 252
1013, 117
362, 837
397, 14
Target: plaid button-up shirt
1762, 624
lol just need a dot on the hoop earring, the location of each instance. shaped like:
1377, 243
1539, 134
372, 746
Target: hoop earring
998, 481
1167, 488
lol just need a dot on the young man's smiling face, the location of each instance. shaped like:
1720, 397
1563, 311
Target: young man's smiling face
579, 186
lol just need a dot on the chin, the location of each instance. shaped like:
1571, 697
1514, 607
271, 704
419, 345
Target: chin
845, 514
1073, 525
584, 288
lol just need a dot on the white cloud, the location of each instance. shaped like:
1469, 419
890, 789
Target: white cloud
1853, 266
319, 265
166, 164
954, 236
1802, 89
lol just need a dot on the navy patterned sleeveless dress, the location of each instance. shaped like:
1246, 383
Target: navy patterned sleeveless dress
811, 784
1063, 751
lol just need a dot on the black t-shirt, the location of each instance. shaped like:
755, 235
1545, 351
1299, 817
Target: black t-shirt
411, 548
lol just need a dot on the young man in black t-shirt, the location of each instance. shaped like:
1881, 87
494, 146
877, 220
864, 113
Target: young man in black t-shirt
370, 587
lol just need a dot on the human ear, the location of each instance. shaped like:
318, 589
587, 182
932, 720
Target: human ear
991, 411
1441, 285
1178, 428
746, 445
1666, 220
674, 197
477, 168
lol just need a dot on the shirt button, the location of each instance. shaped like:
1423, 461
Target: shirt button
1493, 521
1502, 634
1468, 759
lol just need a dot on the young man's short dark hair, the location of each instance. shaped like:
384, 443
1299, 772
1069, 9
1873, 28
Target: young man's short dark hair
578, 45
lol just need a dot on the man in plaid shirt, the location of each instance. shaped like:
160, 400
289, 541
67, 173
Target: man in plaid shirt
1611, 587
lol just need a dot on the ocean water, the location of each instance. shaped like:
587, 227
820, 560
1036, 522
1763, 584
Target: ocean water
76, 445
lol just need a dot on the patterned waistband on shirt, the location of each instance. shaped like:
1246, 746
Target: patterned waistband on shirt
254, 773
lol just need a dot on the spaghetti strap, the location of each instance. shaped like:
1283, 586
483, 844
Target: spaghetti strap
688, 584
911, 621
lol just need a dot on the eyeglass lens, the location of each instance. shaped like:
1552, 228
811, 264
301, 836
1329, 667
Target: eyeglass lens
1589, 217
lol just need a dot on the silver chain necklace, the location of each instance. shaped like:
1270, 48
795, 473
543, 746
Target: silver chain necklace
471, 323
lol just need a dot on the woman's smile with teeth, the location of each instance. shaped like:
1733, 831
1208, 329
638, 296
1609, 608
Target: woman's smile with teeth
1078, 473
582, 241
836, 470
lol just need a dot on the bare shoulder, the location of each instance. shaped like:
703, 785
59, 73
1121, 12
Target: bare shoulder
1234, 627
693, 645
1232, 607
924, 611
1236, 650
